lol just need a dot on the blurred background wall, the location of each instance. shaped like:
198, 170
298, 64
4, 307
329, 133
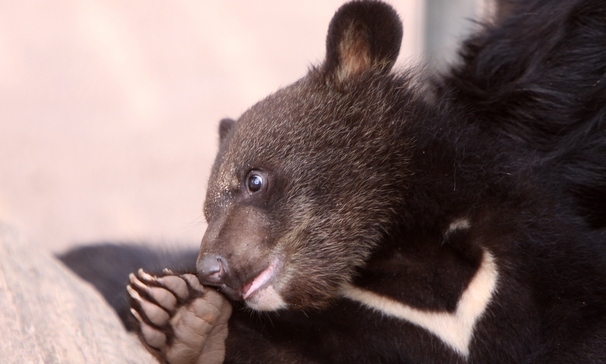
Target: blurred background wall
109, 109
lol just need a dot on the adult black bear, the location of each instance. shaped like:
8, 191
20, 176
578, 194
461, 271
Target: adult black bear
378, 220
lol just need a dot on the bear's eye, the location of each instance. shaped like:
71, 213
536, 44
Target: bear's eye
255, 181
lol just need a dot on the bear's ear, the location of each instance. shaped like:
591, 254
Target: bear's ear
362, 36
225, 125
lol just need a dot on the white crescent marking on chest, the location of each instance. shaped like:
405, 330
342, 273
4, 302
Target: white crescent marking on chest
454, 329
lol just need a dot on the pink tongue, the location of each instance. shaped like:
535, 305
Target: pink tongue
245, 288
250, 287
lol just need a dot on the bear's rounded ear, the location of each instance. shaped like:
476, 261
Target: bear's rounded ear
362, 36
225, 125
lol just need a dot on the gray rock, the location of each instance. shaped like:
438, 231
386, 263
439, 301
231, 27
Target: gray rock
49, 315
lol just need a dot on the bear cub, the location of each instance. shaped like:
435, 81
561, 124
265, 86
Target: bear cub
369, 215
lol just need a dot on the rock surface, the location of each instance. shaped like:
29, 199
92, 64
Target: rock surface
49, 315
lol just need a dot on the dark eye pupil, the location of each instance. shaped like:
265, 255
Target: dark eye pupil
255, 182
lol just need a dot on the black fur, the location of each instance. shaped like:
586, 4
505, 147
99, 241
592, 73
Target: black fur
107, 266
539, 79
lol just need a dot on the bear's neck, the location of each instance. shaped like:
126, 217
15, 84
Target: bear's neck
457, 179
456, 171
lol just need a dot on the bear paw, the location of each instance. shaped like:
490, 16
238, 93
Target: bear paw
179, 320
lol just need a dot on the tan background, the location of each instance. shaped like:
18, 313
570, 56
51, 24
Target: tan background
109, 109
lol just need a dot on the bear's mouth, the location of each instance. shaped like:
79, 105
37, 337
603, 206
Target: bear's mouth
261, 280
261, 292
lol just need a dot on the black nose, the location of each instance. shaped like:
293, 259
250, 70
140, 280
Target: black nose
212, 269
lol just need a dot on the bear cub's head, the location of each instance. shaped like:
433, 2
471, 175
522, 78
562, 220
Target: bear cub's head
306, 182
